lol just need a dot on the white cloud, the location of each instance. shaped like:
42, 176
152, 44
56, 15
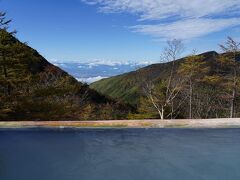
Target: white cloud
118, 63
158, 9
107, 63
206, 16
97, 62
186, 29
90, 80
60, 64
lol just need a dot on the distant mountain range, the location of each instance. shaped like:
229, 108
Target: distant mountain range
90, 72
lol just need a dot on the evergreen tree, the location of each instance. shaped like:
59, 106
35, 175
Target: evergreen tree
192, 70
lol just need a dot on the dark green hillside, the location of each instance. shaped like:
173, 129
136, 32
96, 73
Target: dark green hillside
127, 87
197, 86
33, 89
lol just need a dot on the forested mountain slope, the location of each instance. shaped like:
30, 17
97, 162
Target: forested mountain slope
198, 86
33, 89
128, 87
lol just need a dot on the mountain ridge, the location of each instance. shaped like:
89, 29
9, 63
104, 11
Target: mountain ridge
35, 89
124, 87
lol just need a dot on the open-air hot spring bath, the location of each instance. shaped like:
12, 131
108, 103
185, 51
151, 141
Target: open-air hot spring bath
120, 154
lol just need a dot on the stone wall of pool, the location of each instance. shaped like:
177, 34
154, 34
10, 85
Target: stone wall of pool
186, 123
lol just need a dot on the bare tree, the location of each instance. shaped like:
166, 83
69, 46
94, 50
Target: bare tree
171, 53
156, 94
162, 95
231, 48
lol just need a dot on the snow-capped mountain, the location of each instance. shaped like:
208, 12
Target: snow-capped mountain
96, 70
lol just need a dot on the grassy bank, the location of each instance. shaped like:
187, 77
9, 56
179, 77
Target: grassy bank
200, 123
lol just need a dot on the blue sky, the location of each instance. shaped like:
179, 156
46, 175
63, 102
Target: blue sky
121, 30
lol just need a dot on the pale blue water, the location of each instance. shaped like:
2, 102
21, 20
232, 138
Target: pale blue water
120, 154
